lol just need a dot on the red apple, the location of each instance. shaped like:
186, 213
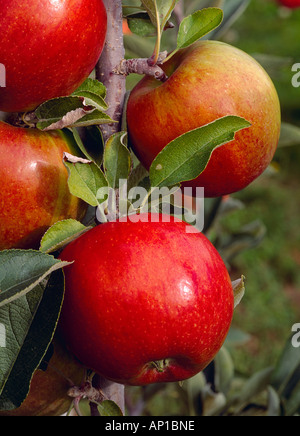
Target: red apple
145, 302
207, 81
34, 191
48, 395
291, 4
48, 48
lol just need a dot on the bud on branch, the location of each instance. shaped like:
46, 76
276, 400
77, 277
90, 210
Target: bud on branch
143, 66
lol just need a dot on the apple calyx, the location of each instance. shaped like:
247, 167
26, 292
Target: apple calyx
160, 365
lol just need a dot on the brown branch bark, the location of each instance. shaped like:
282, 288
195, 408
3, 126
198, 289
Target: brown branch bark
113, 54
143, 66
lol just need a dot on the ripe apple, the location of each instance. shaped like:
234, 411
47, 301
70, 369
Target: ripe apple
207, 81
145, 302
34, 191
291, 4
48, 395
48, 48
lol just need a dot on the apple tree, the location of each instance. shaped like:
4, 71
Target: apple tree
82, 161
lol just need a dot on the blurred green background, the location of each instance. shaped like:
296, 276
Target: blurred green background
272, 302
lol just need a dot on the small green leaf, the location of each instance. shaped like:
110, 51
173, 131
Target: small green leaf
137, 175
91, 99
22, 270
224, 370
61, 234
197, 25
54, 113
238, 287
290, 135
73, 111
253, 386
85, 179
30, 323
237, 338
92, 147
274, 406
249, 236
117, 160
90, 118
159, 11
141, 25
286, 368
92, 86
109, 408
187, 156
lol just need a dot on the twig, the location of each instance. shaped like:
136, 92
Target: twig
143, 66
112, 55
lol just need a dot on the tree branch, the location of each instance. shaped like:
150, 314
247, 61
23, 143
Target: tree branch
143, 66
113, 54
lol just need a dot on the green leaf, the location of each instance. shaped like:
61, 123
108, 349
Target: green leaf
292, 403
61, 234
91, 99
249, 236
73, 111
197, 25
22, 270
92, 86
224, 370
63, 111
141, 25
159, 11
290, 135
30, 323
90, 118
92, 147
238, 287
186, 157
237, 338
85, 179
253, 386
273, 402
109, 408
117, 159
137, 175
287, 366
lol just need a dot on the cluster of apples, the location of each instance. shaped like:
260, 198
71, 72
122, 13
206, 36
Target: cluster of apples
46, 54
145, 302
